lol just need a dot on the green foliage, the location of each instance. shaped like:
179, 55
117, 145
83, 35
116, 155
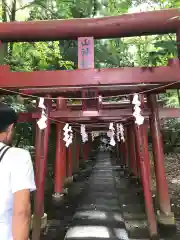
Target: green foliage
135, 51
170, 98
112, 53
38, 56
41, 10
115, 7
164, 49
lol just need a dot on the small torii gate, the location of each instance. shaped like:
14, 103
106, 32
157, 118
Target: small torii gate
87, 82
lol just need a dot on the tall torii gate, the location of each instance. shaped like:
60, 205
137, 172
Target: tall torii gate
77, 83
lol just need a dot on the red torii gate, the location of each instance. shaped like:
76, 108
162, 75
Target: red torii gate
101, 115
101, 81
126, 25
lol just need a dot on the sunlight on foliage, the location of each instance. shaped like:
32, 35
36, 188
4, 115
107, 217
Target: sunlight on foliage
38, 56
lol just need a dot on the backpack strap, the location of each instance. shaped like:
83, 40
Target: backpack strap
3, 151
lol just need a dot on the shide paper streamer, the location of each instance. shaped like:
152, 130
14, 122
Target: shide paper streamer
139, 119
42, 122
68, 134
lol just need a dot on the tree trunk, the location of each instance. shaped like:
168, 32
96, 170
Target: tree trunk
4, 46
12, 19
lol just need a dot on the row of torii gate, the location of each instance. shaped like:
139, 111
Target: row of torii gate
88, 84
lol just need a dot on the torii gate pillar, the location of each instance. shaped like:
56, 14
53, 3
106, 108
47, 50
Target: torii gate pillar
132, 151
178, 42
165, 216
70, 163
39, 218
60, 161
77, 151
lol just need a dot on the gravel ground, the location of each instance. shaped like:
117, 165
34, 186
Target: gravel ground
172, 166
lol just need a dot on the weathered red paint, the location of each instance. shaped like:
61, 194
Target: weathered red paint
108, 105
137, 146
77, 154
141, 132
70, 160
76, 92
147, 156
26, 117
90, 77
76, 114
137, 136
38, 144
136, 24
85, 151
178, 41
119, 79
60, 162
158, 155
39, 196
102, 115
42, 163
126, 147
143, 163
131, 149
104, 105
89, 145
85, 62
145, 176
90, 104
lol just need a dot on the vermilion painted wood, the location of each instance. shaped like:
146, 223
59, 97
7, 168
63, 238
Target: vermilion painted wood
105, 91
103, 115
70, 156
136, 24
60, 162
90, 77
132, 150
41, 173
158, 156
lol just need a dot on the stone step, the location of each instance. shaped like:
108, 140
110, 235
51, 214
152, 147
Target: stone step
95, 233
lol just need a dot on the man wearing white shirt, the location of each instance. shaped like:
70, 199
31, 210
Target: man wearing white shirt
16, 181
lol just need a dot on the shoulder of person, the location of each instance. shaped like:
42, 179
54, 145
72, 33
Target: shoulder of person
21, 170
19, 152
19, 156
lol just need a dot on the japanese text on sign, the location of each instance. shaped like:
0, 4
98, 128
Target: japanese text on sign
85, 52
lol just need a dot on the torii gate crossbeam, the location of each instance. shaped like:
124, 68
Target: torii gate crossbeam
91, 77
76, 115
126, 25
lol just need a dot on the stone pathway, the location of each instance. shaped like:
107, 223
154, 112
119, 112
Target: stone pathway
102, 204
110, 208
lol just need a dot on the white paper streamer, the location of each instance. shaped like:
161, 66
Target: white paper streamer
84, 135
111, 134
41, 103
68, 135
100, 99
120, 132
139, 119
121, 128
42, 124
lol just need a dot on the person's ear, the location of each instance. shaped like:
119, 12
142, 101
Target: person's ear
10, 127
